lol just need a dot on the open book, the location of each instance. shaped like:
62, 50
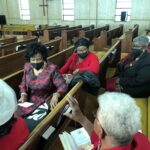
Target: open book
74, 140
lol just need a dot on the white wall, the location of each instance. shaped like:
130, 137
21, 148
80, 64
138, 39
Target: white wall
87, 12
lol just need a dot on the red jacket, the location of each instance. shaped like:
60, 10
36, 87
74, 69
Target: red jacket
139, 142
17, 136
90, 63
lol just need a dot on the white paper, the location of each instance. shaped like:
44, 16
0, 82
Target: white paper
25, 104
48, 132
67, 141
77, 138
80, 136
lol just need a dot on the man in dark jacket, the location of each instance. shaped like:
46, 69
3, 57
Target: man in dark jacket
134, 71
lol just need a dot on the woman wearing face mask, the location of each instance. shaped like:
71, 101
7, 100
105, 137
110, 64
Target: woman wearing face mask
82, 60
41, 81
133, 71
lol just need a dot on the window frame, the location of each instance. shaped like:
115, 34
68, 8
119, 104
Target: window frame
123, 9
65, 9
22, 15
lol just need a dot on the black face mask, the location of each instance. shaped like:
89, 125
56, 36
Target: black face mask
136, 50
83, 55
38, 66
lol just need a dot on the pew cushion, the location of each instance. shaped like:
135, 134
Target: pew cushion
143, 105
149, 118
100, 54
123, 55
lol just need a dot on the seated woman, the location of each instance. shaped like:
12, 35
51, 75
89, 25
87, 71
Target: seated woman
116, 124
133, 71
82, 60
13, 130
41, 81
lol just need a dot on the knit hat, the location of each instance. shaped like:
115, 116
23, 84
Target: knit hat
141, 40
82, 42
8, 104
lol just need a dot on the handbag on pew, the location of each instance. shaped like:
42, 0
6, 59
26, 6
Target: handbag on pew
33, 118
26, 111
91, 81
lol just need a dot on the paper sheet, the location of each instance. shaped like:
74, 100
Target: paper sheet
25, 104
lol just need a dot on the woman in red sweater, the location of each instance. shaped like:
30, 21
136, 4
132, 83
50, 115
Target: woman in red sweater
13, 130
82, 60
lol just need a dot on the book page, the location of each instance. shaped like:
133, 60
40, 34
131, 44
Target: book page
80, 137
25, 104
67, 141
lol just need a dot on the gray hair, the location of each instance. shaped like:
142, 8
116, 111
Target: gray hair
119, 116
142, 41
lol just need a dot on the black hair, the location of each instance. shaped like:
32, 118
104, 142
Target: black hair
34, 48
6, 128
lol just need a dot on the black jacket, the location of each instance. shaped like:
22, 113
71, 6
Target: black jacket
135, 76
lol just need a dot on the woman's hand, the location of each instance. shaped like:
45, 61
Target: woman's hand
75, 71
23, 98
76, 113
54, 100
78, 116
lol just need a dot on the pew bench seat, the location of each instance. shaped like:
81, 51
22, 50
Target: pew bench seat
143, 105
149, 118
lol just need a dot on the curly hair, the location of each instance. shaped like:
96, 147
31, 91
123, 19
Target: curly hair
119, 116
34, 48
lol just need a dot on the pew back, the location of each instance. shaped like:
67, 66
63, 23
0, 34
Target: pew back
14, 62
11, 48
8, 40
50, 120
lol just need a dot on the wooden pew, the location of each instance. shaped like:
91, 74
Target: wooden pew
59, 59
50, 120
105, 38
88, 28
111, 58
69, 36
149, 118
126, 40
91, 34
57, 27
20, 29
75, 27
50, 34
7, 40
11, 48
14, 62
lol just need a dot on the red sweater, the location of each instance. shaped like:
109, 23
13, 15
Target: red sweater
139, 142
16, 137
90, 63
